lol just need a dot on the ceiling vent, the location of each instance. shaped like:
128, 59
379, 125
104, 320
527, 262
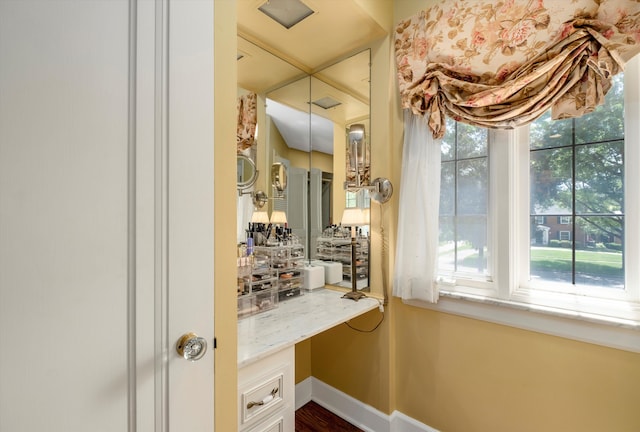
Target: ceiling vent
326, 102
286, 12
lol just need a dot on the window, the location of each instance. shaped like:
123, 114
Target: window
464, 199
564, 235
541, 215
358, 199
577, 168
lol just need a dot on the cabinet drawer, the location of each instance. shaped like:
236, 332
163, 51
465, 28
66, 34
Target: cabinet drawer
262, 399
276, 425
266, 392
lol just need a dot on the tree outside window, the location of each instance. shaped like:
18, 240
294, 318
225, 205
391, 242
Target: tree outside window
577, 170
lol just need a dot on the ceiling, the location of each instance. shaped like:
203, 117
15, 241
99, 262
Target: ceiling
336, 29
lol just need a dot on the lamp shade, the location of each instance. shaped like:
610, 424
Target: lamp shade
366, 212
260, 217
353, 216
278, 217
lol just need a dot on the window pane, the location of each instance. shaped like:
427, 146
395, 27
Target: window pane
599, 256
599, 178
463, 200
606, 122
448, 146
550, 254
447, 249
577, 183
551, 184
547, 133
472, 186
447, 188
472, 244
471, 141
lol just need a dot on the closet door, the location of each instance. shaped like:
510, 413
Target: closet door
106, 210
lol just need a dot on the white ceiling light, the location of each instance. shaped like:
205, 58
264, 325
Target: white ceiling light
286, 12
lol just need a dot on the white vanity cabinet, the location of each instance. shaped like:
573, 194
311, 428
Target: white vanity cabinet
266, 354
266, 390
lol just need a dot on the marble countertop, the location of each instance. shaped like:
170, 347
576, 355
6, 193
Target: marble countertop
295, 320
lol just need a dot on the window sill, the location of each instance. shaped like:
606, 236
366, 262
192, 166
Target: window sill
590, 328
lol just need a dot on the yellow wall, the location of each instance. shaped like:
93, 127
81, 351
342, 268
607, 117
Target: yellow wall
225, 307
322, 161
450, 372
459, 374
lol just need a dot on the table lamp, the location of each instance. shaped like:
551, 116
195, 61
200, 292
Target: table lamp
353, 217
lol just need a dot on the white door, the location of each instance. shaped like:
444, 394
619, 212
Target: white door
106, 214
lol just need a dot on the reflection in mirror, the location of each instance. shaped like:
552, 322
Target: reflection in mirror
340, 96
247, 173
259, 72
303, 122
278, 179
357, 157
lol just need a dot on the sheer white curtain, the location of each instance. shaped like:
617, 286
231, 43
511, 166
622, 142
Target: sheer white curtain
417, 247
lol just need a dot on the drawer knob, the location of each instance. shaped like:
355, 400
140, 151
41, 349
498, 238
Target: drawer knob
264, 401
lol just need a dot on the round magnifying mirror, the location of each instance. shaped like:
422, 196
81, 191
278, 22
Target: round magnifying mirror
247, 173
279, 176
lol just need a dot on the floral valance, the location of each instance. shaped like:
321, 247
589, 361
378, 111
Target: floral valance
247, 120
501, 64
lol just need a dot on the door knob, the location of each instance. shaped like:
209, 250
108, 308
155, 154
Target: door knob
191, 346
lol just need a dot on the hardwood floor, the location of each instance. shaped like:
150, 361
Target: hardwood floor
314, 418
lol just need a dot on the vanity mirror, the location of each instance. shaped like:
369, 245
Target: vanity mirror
247, 173
303, 122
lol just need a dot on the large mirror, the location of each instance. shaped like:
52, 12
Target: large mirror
303, 121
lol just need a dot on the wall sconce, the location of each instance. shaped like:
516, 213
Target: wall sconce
380, 189
357, 157
259, 199
353, 217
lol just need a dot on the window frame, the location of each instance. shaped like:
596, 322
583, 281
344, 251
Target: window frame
509, 261
564, 220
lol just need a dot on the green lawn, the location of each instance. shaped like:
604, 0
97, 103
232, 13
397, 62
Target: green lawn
587, 262
597, 263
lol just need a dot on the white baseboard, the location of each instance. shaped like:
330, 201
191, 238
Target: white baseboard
359, 414
303, 392
403, 423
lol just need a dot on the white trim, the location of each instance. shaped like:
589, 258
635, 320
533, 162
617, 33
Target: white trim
354, 411
303, 392
632, 176
556, 322
403, 423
